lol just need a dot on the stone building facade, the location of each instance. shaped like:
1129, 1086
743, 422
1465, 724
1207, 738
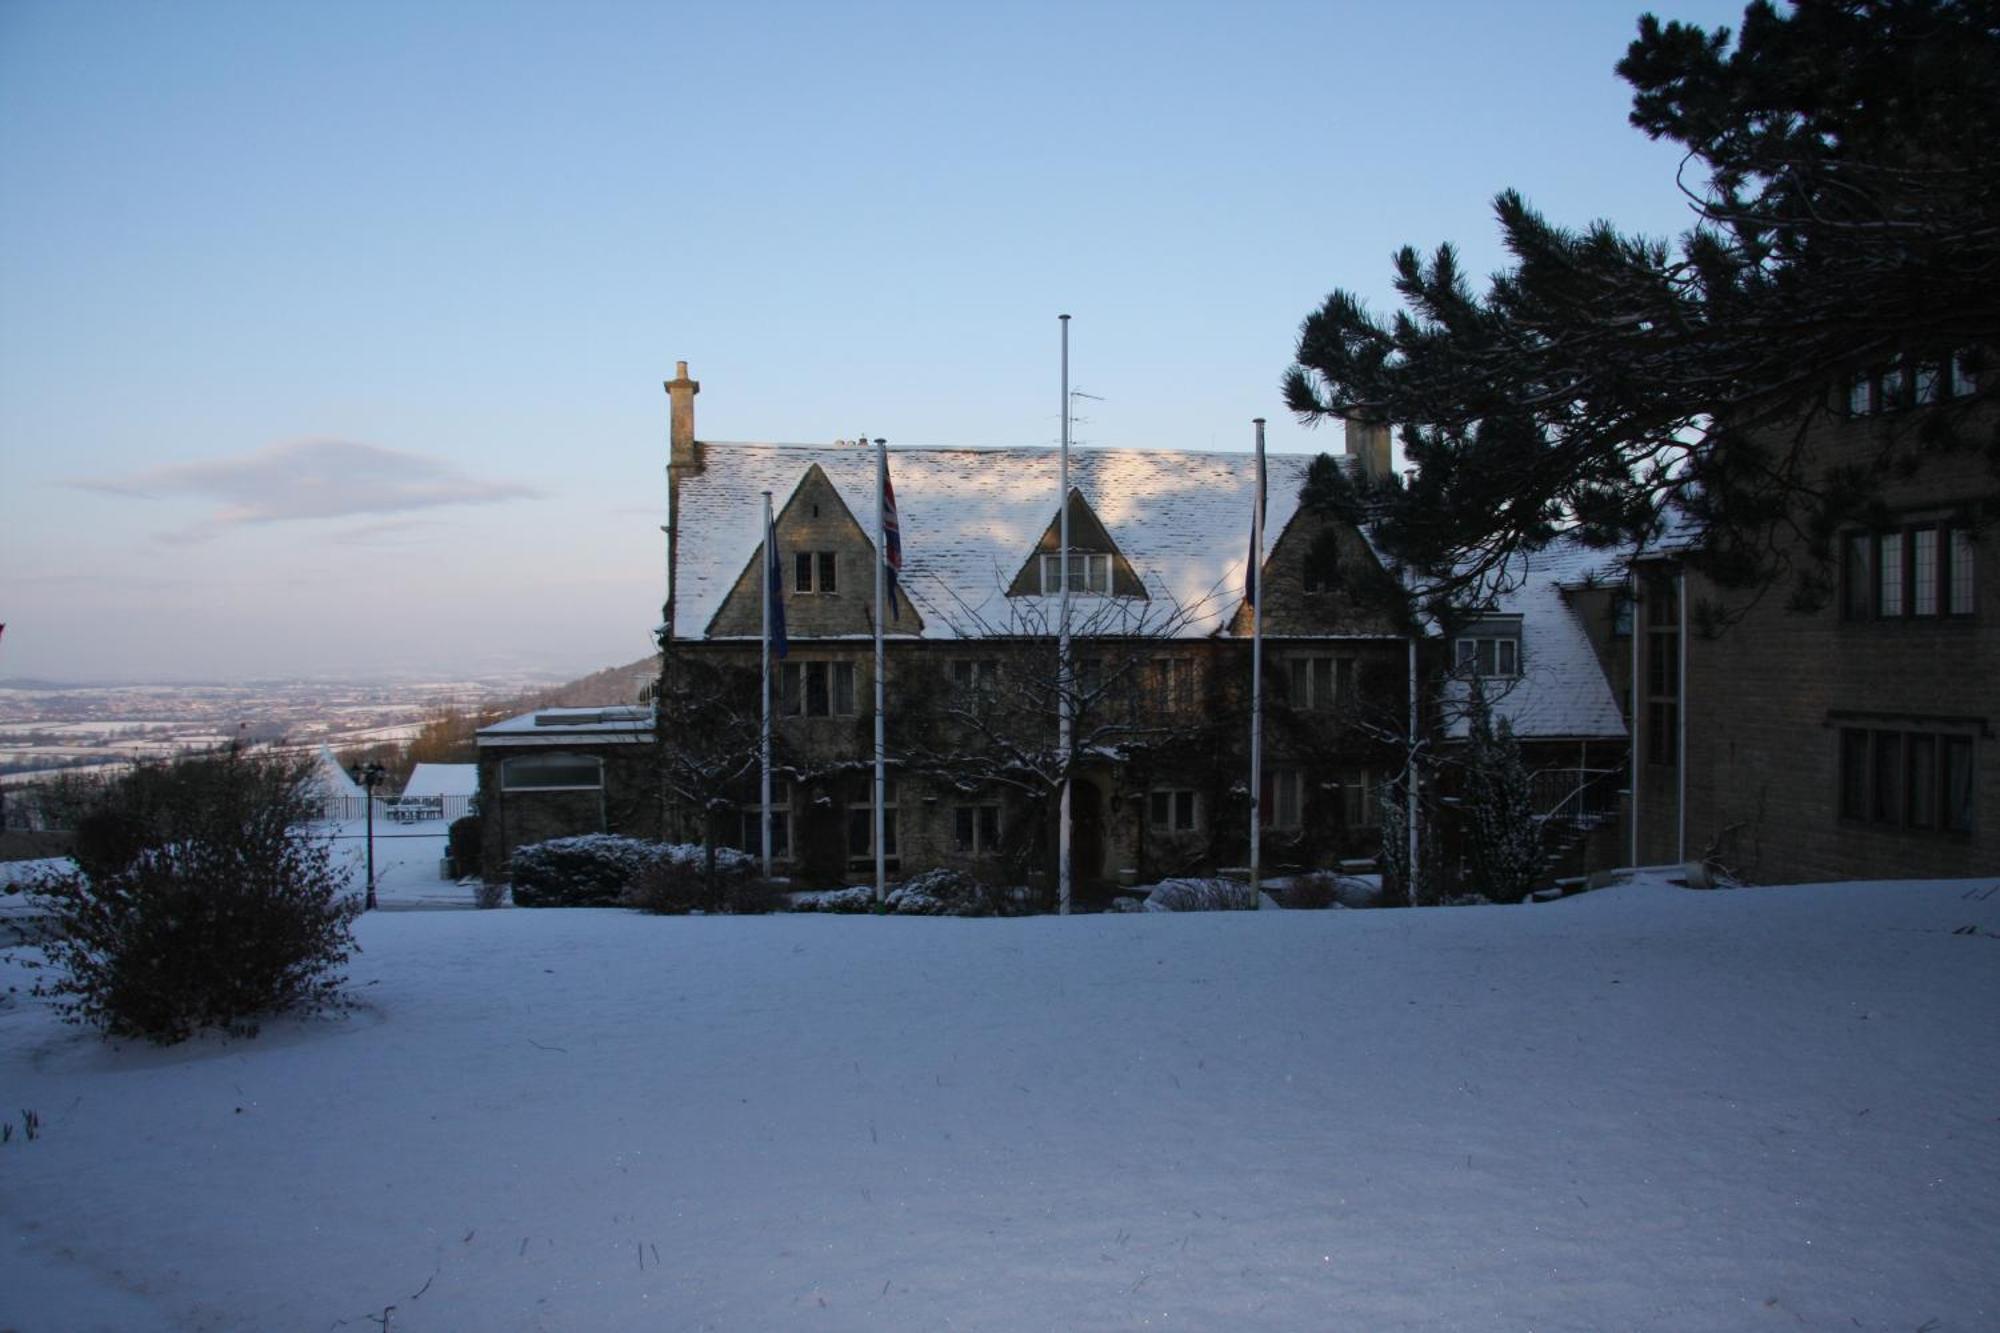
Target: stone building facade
1855, 739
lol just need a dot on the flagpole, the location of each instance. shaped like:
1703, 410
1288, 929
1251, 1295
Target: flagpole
881, 589
1256, 582
764, 738
1064, 702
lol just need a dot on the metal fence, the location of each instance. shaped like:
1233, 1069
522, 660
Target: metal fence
438, 810
1580, 796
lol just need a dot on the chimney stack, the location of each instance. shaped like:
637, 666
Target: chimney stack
1368, 445
680, 392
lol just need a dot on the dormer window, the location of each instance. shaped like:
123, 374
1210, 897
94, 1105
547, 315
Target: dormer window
1490, 650
1089, 573
815, 571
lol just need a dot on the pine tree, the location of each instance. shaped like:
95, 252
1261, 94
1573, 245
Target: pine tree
1507, 849
1850, 217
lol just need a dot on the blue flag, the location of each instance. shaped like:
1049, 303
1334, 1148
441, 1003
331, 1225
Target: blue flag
774, 588
892, 544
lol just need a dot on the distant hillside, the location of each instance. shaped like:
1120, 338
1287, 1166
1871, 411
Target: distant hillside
613, 685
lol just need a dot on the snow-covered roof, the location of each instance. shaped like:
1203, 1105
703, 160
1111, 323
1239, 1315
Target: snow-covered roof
443, 780
334, 780
624, 723
1562, 690
970, 518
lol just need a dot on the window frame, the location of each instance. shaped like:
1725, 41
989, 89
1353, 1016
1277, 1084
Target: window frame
1919, 780
1093, 563
861, 819
975, 828
835, 677
1920, 569
1182, 807
816, 573
508, 766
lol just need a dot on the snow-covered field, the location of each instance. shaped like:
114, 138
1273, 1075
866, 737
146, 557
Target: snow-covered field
1647, 1108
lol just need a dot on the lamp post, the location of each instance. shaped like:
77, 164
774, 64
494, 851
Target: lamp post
369, 778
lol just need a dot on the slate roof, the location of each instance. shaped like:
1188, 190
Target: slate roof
971, 518
1562, 691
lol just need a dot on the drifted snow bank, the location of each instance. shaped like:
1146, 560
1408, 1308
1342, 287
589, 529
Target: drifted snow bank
1640, 1109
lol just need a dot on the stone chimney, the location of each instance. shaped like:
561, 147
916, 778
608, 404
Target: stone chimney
680, 392
1368, 446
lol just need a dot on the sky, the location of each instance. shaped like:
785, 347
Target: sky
332, 335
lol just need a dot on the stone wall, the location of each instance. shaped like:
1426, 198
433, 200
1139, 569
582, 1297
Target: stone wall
1768, 696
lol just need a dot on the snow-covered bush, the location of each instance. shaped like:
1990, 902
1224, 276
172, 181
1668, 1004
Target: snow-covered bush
941, 892
1199, 895
230, 910
677, 882
588, 870
1309, 892
1505, 838
853, 899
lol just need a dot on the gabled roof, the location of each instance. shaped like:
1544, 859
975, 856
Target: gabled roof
971, 517
443, 780
1562, 691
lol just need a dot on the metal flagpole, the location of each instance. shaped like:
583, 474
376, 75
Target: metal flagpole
1064, 702
881, 589
1255, 577
764, 740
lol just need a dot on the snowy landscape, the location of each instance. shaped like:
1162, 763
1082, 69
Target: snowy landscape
1643, 1108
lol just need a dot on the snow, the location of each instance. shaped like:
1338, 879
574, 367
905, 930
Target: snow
970, 519
442, 780
1644, 1108
1562, 692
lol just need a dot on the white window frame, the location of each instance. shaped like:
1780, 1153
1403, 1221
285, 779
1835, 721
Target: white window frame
1303, 676
818, 564
864, 806
1095, 568
1503, 650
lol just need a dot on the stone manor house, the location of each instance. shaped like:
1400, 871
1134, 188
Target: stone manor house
1853, 742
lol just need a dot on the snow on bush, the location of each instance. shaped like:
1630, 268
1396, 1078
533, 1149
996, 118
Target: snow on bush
1199, 895
587, 870
678, 882
855, 898
941, 893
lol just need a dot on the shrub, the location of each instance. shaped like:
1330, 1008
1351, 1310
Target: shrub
853, 899
677, 882
1309, 892
230, 910
588, 870
464, 841
1199, 895
940, 892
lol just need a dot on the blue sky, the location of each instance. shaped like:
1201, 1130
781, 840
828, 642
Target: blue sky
331, 335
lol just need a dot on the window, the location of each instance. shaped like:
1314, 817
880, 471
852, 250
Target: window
1088, 573
1918, 570
1173, 684
1171, 810
751, 824
1490, 657
1918, 780
1621, 613
861, 822
1960, 383
1361, 799
1856, 561
1284, 799
1902, 384
817, 689
1320, 682
1663, 670
976, 829
815, 571
974, 675
551, 772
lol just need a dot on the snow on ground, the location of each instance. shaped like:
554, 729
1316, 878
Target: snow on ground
1646, 1108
